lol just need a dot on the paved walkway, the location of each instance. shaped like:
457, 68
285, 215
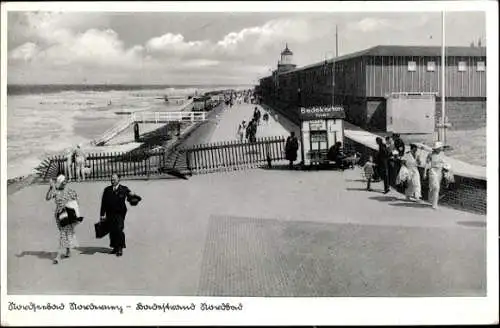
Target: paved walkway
253, 233
231, 117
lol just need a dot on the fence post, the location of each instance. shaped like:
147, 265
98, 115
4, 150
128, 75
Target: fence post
188, 163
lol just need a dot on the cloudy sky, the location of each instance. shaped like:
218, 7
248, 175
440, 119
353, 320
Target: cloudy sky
205, 48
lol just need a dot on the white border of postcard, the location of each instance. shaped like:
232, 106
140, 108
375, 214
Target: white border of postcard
270, 311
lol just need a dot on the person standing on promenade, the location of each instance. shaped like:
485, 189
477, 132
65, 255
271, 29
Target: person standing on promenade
241, 131
113, 210
412, 161
399, 145
383, 163
68, 164
62, 195
80, 163
434, 170
291, 148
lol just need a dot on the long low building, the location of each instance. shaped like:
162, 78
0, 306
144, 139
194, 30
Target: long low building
363, 82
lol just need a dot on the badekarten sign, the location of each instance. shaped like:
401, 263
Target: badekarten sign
321, 113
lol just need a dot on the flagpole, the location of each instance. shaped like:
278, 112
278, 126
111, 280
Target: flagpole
443, 84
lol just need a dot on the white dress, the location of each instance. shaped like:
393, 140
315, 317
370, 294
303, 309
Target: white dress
412, 163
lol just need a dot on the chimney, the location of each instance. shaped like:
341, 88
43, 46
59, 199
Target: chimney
472, 44
479, 43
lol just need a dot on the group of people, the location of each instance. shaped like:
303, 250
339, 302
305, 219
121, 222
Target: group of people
249, 131
75, 163
392, 150
112, 212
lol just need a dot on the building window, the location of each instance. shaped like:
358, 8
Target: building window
431, 66
462, 66
412, 66
481, 66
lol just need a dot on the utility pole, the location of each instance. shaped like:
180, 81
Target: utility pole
336, 41
443, 84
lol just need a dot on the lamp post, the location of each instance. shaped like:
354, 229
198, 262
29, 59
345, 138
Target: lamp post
443, 122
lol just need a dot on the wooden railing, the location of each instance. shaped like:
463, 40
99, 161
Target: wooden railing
192, 160
162, 117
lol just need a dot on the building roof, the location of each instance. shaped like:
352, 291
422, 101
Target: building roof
417, 51
287, 51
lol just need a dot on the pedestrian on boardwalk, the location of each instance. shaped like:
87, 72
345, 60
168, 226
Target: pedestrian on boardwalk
256, 115
336, 154
68, 164
389, 142
383, 163
251, 131
62, 195
369, 171
291, 148
241, 131
113, 210
411, 161
80, 163
434, 170
399, 145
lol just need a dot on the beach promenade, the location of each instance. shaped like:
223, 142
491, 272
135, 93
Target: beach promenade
260, 232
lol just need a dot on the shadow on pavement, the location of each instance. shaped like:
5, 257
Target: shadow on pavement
414, 205
283, 167
355, 180
475, 224
40, 254
93, 250
356, 189
385, 198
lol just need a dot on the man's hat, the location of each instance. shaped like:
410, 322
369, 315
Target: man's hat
134, 200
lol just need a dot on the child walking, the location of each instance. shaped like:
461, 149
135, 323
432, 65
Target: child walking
369, 171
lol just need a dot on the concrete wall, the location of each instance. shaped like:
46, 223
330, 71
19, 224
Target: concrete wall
463, 113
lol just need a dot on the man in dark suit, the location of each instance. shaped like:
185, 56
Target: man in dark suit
383, 163
113, 210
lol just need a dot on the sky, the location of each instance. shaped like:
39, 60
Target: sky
205, 48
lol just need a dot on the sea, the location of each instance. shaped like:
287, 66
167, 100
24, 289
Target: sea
44, 120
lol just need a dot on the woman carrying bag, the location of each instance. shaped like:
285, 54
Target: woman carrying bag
65, 220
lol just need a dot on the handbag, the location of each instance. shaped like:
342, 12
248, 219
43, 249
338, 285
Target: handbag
68, 216
101, 229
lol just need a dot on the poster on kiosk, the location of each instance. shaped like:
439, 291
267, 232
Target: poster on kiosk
321, 127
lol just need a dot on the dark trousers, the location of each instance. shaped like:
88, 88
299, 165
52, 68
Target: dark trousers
116, 234
384, 175
368, 183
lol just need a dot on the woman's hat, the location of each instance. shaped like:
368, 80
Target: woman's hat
60, 180
446, 167
438, 145
134, 200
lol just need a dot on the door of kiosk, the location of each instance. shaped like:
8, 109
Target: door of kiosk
321, 128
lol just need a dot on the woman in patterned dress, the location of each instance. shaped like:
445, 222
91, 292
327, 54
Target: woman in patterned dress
435, 164
62, 195
412, 161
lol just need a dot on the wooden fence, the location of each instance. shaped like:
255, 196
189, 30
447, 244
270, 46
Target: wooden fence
234, 155
156, 162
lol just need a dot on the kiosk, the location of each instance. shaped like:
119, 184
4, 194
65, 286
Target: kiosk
320, 128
